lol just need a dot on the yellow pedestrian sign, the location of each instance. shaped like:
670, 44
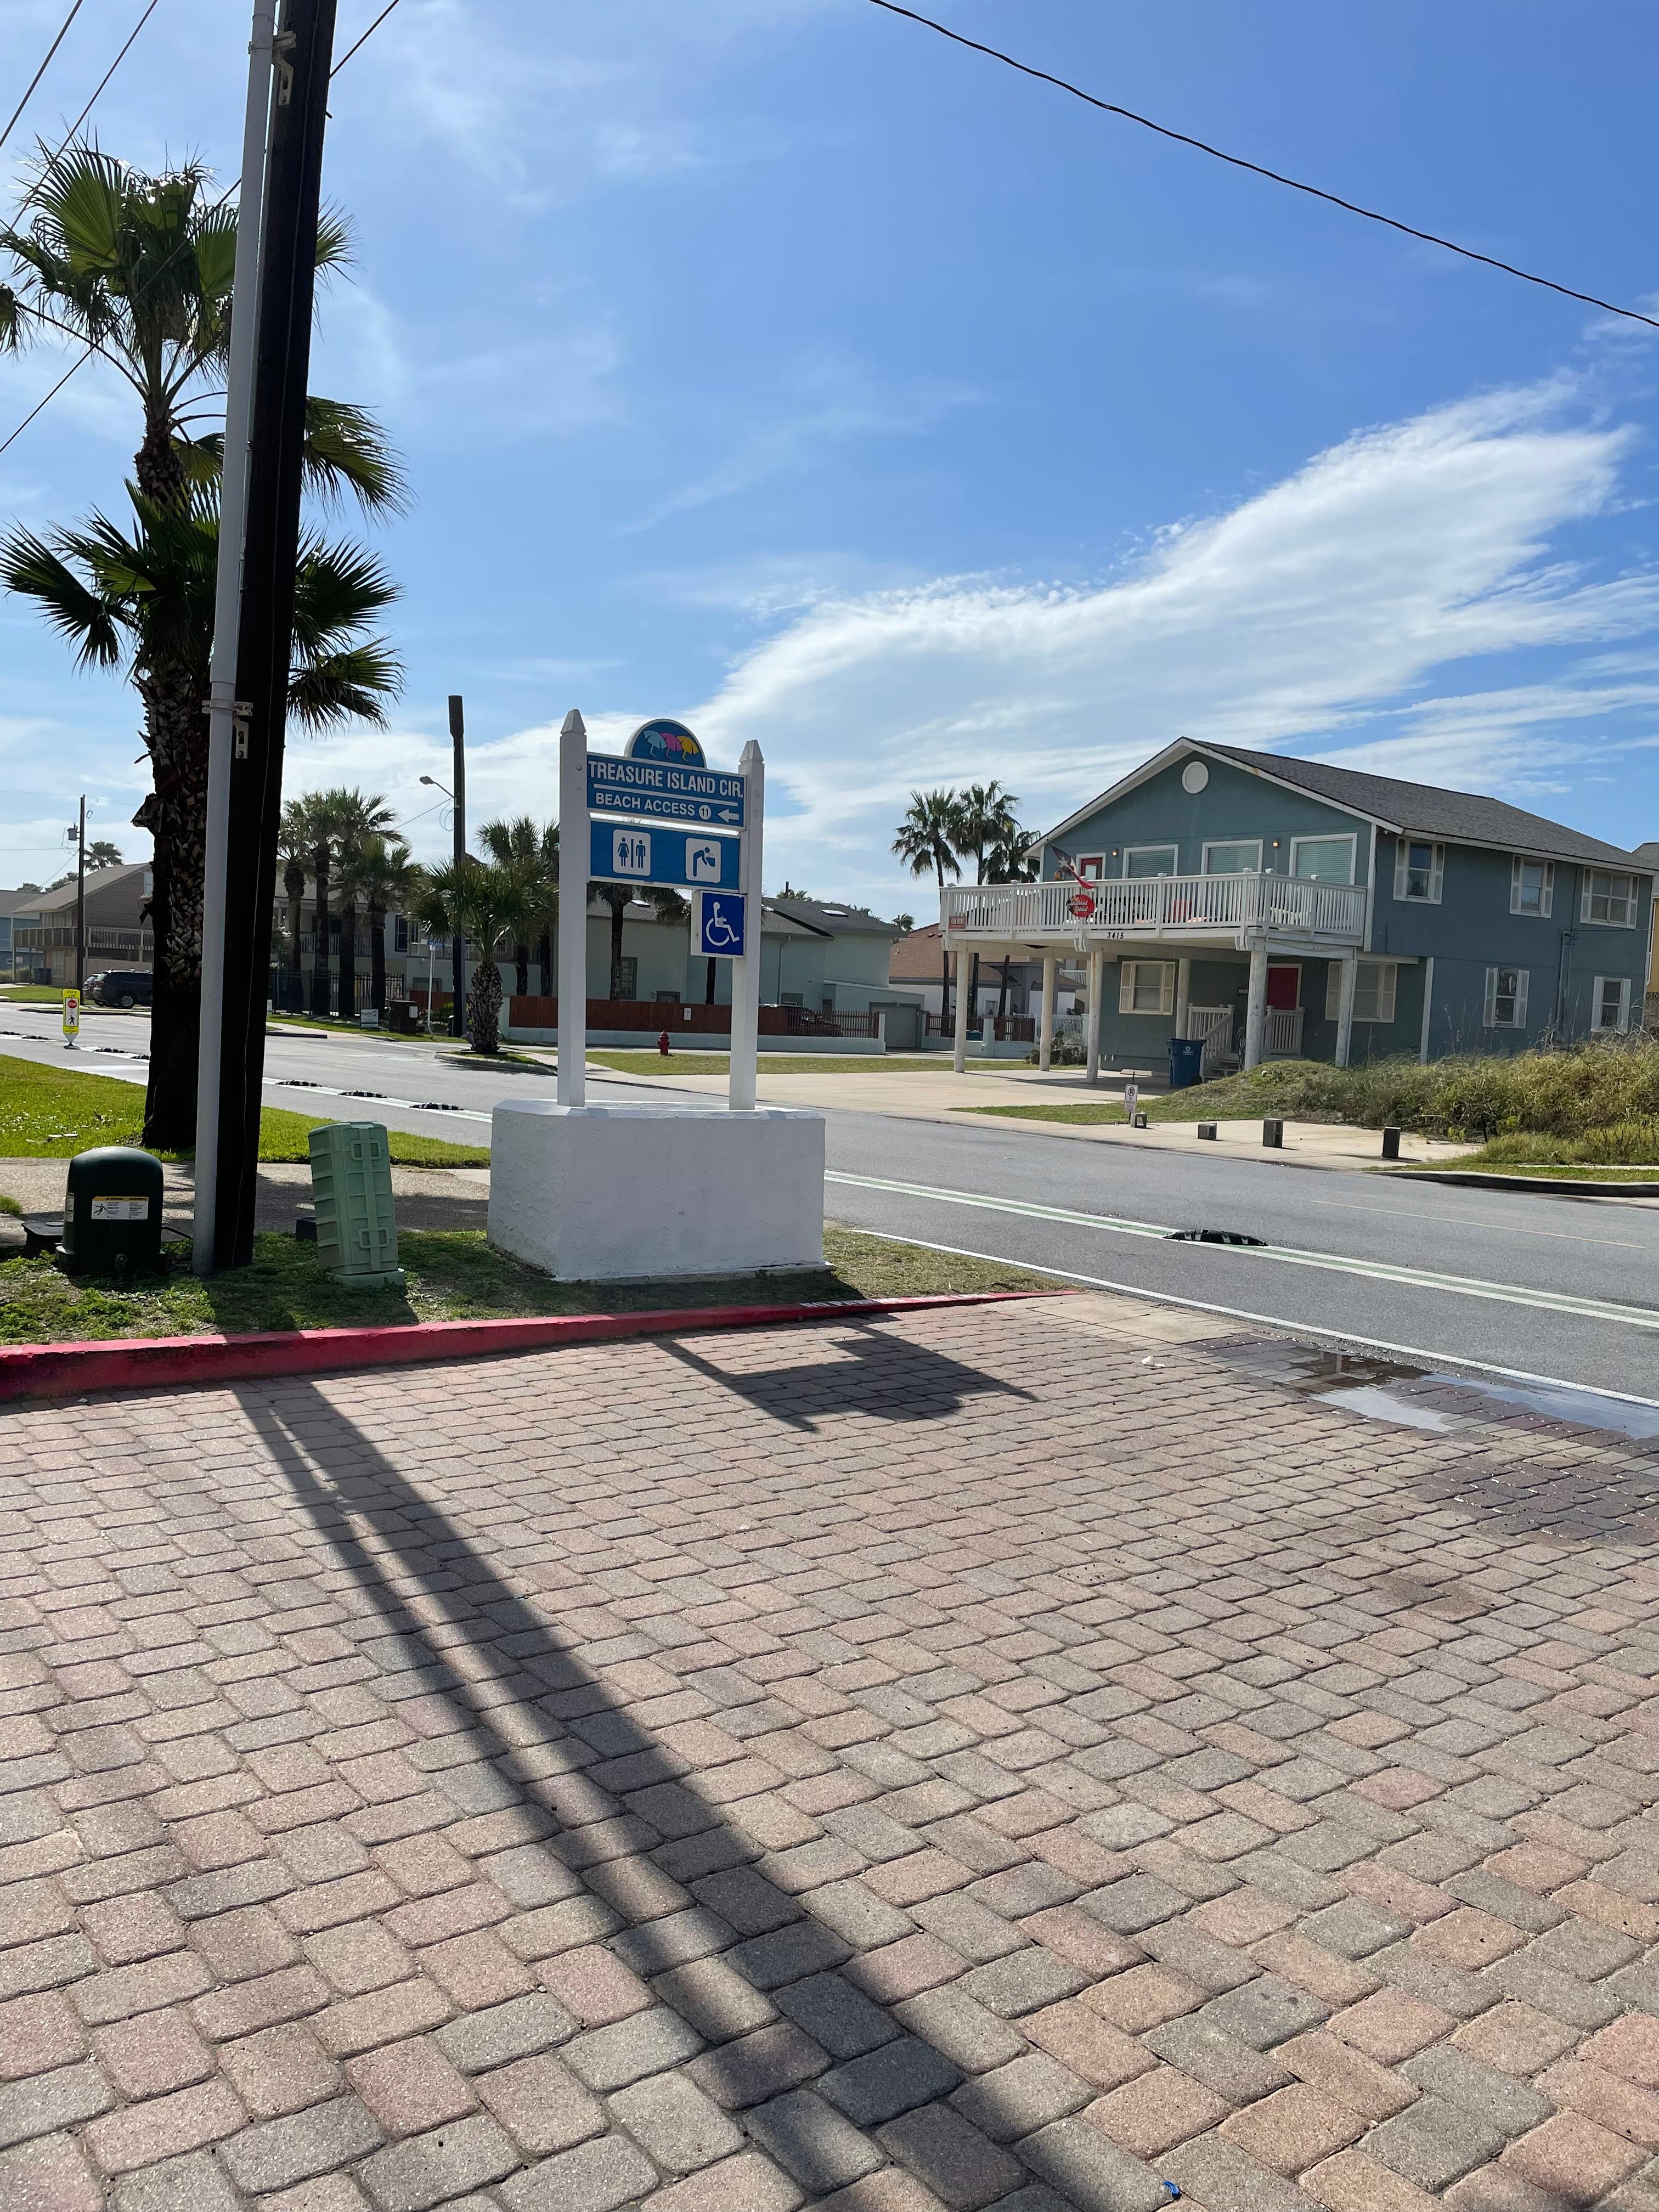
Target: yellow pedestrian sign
71, 1019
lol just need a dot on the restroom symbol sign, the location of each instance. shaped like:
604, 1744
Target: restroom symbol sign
630, 853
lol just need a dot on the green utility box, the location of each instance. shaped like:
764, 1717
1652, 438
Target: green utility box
112, 1212
352, 1191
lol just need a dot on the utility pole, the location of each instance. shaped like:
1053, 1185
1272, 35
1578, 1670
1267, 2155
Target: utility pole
287, 269
457, 732
81, 903
227, 611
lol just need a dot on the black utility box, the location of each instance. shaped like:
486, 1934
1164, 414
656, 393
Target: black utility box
112, 1212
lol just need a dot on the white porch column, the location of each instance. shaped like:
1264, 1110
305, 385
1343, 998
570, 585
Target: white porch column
1183, 995
1256, 1006
1345, 1007
962, 1010
1097, 988
1046, 1039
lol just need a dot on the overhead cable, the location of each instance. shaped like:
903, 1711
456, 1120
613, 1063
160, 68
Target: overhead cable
28, 93
1256, 169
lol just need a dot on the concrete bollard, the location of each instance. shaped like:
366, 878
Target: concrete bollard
1273, 1135
1209, 1130
1391, 1144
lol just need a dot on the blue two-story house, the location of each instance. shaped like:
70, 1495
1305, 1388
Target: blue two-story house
1283, 907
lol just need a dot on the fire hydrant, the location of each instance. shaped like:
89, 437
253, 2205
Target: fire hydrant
662, 1044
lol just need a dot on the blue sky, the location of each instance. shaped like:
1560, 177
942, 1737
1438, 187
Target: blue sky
773, 364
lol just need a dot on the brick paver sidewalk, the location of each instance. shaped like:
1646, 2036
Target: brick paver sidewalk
1009, 1757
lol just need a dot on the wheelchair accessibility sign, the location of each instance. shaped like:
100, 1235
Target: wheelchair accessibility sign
718, 925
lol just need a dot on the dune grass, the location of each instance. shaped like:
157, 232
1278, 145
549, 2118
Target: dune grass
1596, 1101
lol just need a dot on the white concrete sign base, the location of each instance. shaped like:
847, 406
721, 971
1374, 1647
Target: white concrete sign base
593, 1194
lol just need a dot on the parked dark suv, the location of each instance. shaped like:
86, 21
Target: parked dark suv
121, 987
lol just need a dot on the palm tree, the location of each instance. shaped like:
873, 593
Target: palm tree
138, 268
485, 902
534, 853
926, 844
381, 872
144, 598
985, 819
353, 816
1010, 861
293, 849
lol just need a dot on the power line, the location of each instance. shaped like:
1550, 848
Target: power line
40, 407
81, 363
108, 74
98, 88
364, 41
1273, 176
29, 93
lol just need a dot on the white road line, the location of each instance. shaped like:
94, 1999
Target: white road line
1412, 1351
1468, 1286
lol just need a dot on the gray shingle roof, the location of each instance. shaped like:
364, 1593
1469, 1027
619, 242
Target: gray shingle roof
835, 921
1455, 815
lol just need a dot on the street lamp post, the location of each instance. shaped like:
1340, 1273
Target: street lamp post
458, 1012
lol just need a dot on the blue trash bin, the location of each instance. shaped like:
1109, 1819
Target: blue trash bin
1186, 1062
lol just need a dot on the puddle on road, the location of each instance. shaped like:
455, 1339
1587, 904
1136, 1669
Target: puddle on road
1414, 1397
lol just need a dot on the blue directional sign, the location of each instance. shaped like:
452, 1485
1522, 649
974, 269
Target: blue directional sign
718, 925
687, 857
660, 791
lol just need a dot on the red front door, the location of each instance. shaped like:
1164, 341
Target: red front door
1285, 988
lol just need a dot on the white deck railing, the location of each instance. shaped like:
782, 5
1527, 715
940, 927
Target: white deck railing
1157, 906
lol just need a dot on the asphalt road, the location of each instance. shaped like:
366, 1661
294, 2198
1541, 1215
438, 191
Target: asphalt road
1549, 1287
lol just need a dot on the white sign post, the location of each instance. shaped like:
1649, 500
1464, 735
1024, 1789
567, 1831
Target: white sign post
573, 911
745, 972
597, 1192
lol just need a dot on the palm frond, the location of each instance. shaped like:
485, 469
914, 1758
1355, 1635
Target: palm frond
356, 681
82, 613
338, 587
346, 450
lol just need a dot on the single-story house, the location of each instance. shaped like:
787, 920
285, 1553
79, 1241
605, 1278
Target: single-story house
1279, 906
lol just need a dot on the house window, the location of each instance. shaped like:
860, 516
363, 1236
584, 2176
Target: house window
1146, 987
1610, 1006
1373, 991
1149, 859
1609, 897
1322, 860
1418, 870
1506, 997
631, 976
1092, 866
1532, 886
1241, 857
400, 932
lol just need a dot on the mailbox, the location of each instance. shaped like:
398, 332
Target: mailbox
112, 1212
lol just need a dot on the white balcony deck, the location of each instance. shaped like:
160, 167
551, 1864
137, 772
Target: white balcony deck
1236, 911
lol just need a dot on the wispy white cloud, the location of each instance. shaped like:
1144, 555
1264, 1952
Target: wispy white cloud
553, 384
835, 400
1320, 609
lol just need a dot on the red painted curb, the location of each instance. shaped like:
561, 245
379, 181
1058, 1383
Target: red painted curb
62, 1370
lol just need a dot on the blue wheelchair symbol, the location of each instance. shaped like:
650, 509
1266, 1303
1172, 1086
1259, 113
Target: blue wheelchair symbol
722, 926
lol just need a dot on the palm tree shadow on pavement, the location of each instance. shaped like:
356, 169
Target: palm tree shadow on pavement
763, 1988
